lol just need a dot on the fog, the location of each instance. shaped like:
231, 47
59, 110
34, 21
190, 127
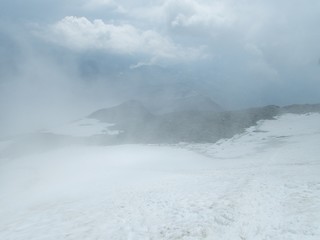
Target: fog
62, 60
159, 119
265, 178
41, 86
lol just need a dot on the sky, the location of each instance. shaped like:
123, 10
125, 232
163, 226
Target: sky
61, 60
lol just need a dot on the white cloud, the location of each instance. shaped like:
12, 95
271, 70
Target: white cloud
188, 14
192, 13
207, 19
79, 33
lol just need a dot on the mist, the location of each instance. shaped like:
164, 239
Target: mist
42, 85
162, 119
66, 64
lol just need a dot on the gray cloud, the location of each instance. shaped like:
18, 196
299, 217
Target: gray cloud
90, 53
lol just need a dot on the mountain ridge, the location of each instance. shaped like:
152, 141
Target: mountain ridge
194, 126
132, 123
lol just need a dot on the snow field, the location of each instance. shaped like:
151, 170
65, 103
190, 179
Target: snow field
263, 184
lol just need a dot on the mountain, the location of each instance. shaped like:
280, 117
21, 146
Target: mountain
138, 125
176, 97
131, 119
131, 122
301, 108
129, 111
190, 103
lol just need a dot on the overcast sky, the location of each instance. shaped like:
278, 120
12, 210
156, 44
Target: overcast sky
61, 59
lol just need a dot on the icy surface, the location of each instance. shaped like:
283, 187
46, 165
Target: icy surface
263, 184
85, 128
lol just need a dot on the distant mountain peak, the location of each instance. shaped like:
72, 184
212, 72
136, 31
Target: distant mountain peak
192, 101
131, 110
133, 104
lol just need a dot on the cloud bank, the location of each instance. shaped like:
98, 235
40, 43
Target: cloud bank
89, 53
81, 34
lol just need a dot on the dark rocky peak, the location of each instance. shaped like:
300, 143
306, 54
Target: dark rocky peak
131, 110
301, 108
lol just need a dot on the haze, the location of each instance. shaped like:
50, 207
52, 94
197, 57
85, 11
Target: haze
64, 59
159, 119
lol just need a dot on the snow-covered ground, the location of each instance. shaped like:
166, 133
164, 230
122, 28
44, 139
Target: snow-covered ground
85, 128
263, 184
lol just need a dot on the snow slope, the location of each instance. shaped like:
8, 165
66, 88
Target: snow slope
263, 184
